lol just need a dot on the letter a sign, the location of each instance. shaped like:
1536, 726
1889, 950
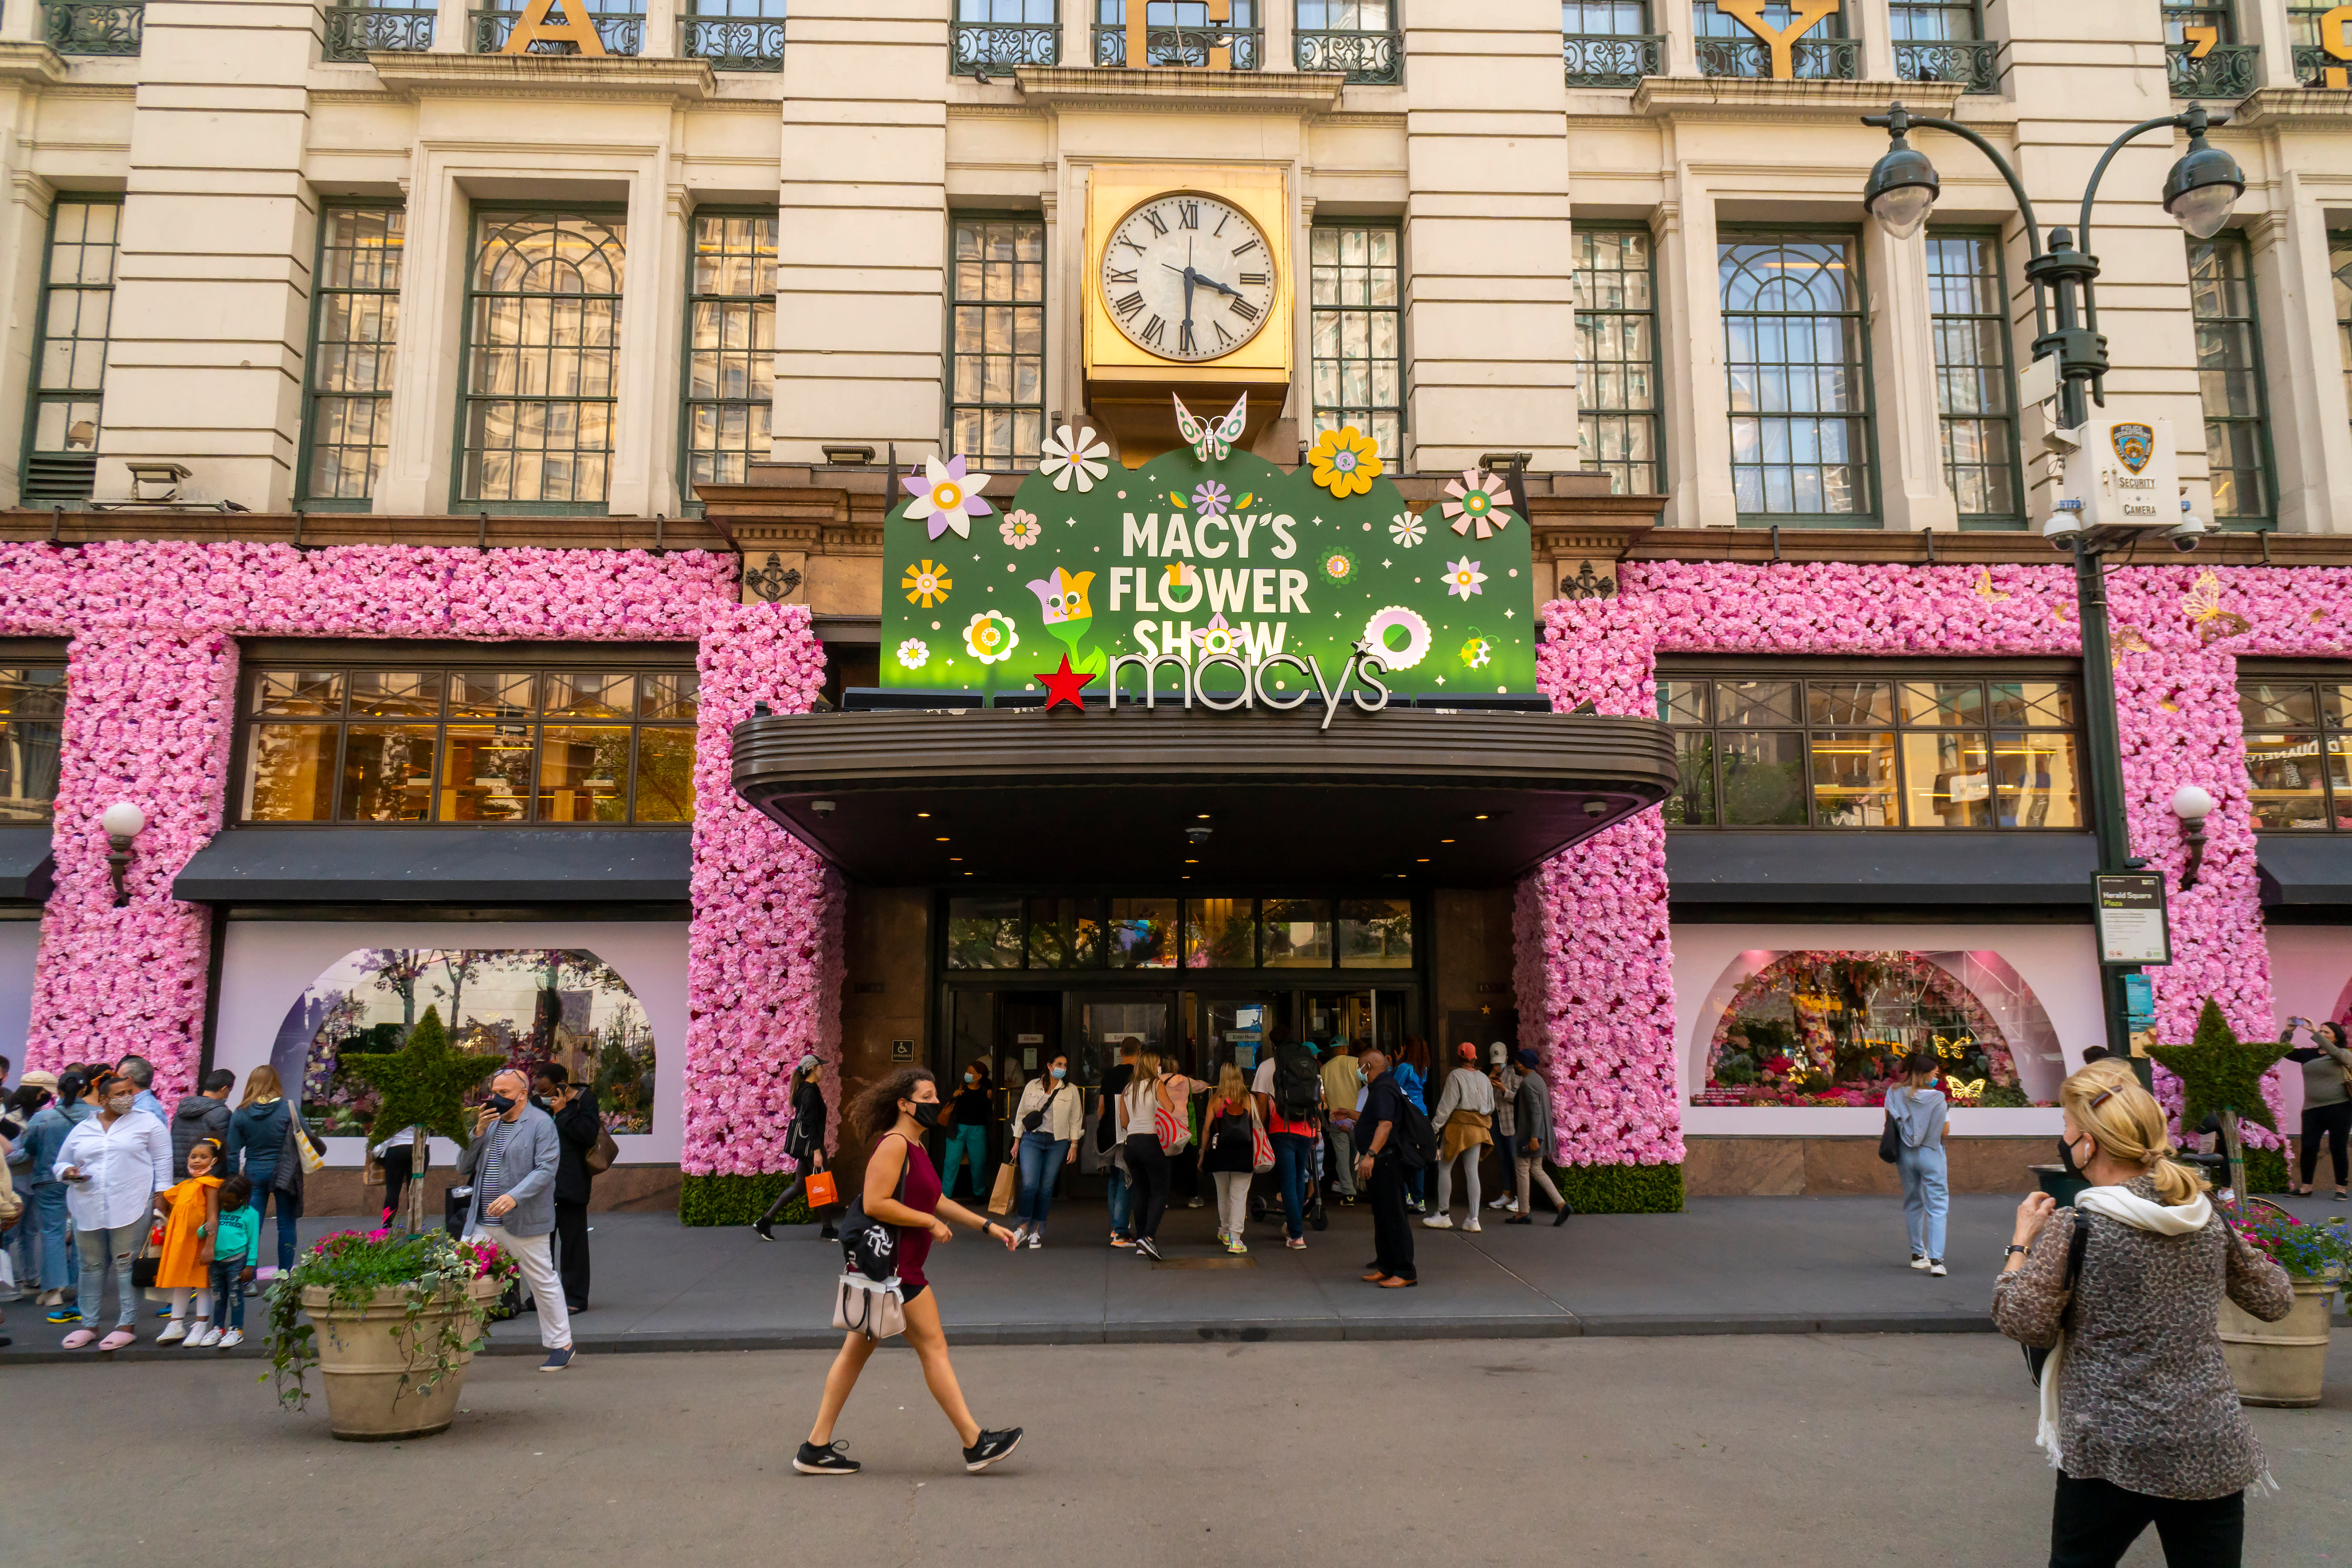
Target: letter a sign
577, 28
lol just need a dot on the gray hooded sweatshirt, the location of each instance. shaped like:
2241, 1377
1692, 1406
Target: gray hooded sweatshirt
1918, 1116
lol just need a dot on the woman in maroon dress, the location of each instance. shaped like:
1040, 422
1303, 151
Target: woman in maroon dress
902, 1191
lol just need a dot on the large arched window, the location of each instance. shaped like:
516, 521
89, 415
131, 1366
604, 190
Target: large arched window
1794, 349
542, 362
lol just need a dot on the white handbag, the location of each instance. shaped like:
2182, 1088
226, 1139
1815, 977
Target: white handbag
875, 1308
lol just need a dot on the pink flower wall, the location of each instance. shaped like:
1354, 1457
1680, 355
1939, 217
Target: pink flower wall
1593, 967
151, 686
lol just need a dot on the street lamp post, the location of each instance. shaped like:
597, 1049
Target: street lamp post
2199, 192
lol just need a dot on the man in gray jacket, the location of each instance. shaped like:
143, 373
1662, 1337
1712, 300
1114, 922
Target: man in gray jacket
511, 1163
202, 1116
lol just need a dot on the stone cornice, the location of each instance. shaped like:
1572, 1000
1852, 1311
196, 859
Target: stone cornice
325, 528
2294, 109
612, 78
1764, 98
1181, 87
34, 64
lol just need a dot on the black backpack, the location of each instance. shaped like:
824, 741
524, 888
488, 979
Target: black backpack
1416, 1139
1298, 1082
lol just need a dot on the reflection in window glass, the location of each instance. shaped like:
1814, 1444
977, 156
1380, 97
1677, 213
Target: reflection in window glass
1793, 341
997, 394
583, 773
1949, 779
299, 692
1064, 933
589, 694
2288, 776
1693, 803
543, 338
665, 775
485, 772
1682, 702
1848, 702
984, 933
2296, 752
290, 772
1763, 778
667, 696
1853, 780
32, 714
1143, 933
1375, 934
1219, 933
490, 694
2034, 775
395, 694
730, 323
1943, 702
1757, 701
1357, 336
1296, 933
388, 772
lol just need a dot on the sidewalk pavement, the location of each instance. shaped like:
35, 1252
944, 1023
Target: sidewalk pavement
1727, 1266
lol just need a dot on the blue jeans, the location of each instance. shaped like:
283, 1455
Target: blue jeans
1122, 1198
966, 1143
98, 1248
1925, 1198
289, 1209
59, 1268
1041, 1167
1294, 1167
228, 1294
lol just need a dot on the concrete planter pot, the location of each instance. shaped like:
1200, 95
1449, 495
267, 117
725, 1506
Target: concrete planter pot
361, 1361
2281, 1364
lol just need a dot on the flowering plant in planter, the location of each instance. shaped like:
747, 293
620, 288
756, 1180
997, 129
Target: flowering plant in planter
2316, 1252
431, 1272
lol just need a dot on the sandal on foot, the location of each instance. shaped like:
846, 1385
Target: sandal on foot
117, 1340
81, 1339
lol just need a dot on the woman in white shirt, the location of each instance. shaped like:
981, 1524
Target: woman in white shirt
1050, 1117
1464, 1118
113, 1165
1147, 1157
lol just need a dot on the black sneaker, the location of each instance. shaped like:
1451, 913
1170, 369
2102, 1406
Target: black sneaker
828, 1233
992, 1447
830, 1460
760, 1227
1146, 1248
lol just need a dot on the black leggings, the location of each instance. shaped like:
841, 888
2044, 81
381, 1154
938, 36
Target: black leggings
2094, 1523
1147, 1167
2332, 1121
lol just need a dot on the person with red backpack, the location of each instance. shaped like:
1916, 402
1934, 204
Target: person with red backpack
1289, 1087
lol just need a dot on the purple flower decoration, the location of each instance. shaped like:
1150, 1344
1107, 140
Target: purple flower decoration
1210, 499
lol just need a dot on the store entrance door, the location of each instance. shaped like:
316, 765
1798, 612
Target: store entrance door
1106, 1024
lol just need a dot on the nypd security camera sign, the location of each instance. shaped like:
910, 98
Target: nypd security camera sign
2126, 474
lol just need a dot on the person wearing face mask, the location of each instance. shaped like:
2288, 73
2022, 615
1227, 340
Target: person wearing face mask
803, 1143
511, 1163
1051, 1117
2327, 1099
113, 1165
967, 1140
2140, 1415
1918, 1109
902, 1191
261, 1147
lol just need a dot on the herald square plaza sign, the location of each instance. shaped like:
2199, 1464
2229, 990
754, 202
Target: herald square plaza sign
1208, 574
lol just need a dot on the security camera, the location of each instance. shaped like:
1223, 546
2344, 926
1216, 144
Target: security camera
2066, 524
2183, 536
1199, 833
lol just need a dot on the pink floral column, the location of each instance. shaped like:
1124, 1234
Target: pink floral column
764, 956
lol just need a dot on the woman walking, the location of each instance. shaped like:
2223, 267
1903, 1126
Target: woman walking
1917, 1109
1535, 1146
2140, 1415
2327, 1099
1051, 1117
1463, 1120
1229, 1129
1146, 1095
803, 1143
1413, 1069
902, 1191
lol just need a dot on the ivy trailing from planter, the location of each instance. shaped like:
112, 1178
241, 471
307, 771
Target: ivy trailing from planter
429, 1271
1621, 1189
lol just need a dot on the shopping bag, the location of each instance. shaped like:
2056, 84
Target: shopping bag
1261, 1151
822, 1193
1008, 1186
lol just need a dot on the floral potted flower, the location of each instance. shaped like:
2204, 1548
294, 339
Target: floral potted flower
2286, 1361
394, 1319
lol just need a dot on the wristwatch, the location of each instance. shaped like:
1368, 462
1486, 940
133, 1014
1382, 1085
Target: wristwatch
2013, 1248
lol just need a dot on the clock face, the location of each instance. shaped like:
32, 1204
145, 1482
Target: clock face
1188, 276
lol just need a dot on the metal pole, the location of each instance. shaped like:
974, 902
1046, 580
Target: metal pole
2105, 744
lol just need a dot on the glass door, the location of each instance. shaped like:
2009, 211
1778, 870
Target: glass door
1103, 1025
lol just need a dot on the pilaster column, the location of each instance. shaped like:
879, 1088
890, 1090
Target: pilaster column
1868, 20
1702, 481
1908, 432
1682, 36
1280, 20
452, 28
2312, 426
661, 28
24, 242
424, 372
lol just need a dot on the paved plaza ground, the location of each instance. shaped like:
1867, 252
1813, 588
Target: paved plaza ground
1824, 1451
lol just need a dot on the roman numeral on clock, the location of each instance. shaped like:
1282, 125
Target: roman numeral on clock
1186, 343
1224, 338
1253, 278
1157, 227
1116, 276
1129, 306
1188, 215
1131, 245
1153, 331
1243, 308
1220, 229
1244, 247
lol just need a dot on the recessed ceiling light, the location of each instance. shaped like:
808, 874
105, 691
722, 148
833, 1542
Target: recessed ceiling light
943, 839
923, 814
1191, 862
1482, 817
966, 873
1205, 817
1445, 841
1422, 861
955, 859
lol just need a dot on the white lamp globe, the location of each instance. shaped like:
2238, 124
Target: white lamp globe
123, 820
2191, 803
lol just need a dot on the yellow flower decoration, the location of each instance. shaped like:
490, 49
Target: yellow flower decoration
1346, 462
926, 584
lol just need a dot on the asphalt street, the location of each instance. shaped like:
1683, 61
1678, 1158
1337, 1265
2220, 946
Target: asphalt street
1815, 1450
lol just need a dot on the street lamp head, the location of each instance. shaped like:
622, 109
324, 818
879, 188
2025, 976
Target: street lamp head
2191, 805
2204, 184
123, 820
1903, 187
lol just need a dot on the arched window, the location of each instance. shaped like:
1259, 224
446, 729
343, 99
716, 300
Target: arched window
542, 360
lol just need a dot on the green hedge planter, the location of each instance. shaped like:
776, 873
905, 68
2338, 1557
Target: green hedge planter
1622, 1189
2265, 1171
737, 1200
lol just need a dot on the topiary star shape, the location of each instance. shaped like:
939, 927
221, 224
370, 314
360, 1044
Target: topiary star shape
424, 1083
2218, 1071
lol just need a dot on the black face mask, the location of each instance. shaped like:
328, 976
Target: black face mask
499, 1103
927, 1115
2067, 1156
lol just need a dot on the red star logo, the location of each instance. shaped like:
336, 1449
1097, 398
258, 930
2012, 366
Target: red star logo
1062, 686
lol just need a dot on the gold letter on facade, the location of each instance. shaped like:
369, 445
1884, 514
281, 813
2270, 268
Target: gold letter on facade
1138, 37
577, 28
1750, 14
2336, 39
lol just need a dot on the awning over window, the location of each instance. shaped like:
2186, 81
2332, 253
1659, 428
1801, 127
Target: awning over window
27, 871
2309, 870
1923, 871
1162, 796
436, 865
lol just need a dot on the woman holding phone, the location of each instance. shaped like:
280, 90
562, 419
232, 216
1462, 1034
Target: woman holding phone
2327, 1099
902, 1191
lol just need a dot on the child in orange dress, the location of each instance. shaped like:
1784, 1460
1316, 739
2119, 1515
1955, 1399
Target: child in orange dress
192, 1221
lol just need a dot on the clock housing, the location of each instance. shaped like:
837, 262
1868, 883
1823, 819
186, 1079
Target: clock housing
1187, 277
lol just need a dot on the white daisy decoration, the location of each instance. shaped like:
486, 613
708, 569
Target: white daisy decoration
1478, 502
913, 654
944, 497
1463, 578
1073, 454
1406, 530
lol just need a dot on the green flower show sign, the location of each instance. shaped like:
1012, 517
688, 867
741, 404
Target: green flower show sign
1213, 557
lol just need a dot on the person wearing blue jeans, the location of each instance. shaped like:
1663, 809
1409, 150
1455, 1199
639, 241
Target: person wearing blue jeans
967, 1140
1118, 1188
1918, 1111
1051, 1117
1294, 1167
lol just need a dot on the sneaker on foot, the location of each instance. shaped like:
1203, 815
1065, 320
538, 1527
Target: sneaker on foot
828, 1460
992, 1447
203, 1337
1237, 1246
1471, 1223
1936, 1267
64, 1315
1146, 1248
1438, 1221
1920, 1260
173, 1332
1195, 1203
1295, 1243
1036, 1239
763, 1229
230, 1339
1504, 1203
1118, 1240
557, 1359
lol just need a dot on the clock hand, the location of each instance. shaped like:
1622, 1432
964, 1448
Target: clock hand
1219, 286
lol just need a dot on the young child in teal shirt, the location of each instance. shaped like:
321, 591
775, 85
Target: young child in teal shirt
237, 1251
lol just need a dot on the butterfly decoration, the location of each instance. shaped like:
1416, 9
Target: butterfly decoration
1213, 440
1984, 589
1967, 1091
2203, 605
2128, 639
